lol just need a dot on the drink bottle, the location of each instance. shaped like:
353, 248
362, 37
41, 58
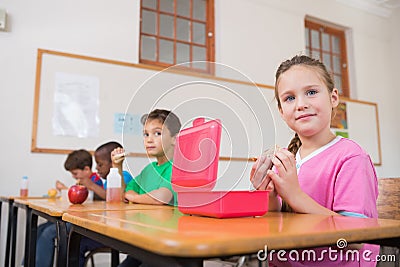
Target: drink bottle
23, 192
114, 190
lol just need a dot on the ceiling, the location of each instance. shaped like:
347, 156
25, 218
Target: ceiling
391, 4
382, 8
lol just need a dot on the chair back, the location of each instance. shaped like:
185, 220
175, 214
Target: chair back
388, 203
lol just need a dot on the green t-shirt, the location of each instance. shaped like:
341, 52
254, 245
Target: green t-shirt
153, 177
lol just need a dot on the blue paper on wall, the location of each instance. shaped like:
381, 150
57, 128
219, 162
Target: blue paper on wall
127, 123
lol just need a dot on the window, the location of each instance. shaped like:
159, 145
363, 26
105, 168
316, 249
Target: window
177, 31
328, 44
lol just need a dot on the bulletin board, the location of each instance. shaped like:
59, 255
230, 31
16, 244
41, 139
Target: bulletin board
110, 96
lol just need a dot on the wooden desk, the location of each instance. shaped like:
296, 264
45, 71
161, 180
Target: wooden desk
10, 201
11, 237
57, 207
53, 210
175, 239
24, 204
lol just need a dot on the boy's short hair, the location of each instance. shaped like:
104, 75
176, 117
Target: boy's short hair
104, 150
78, 159
167, 117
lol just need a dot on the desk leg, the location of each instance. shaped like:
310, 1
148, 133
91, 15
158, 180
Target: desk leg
1, 204
73, 249
27, 235
9, 229
33, 218
62, 243
14, 235
114, 258
147, 257
150, 259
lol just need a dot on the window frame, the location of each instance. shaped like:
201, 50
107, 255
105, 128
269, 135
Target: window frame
339, 32
209, 36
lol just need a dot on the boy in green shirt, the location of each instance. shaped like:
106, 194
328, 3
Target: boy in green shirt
153, 184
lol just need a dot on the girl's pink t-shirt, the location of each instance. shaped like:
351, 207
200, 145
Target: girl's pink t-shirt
341, 177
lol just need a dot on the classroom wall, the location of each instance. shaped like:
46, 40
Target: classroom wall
253, 36
270, 31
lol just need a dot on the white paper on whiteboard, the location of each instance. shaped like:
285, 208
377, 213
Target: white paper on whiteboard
76, 105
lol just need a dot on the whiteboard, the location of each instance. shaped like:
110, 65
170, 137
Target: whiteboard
251, 121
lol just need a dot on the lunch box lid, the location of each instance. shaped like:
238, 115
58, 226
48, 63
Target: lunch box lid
196, 156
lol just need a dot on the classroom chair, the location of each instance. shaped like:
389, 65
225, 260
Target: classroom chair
388, 208
90, 256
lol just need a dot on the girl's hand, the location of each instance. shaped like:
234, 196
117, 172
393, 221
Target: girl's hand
271, 188
117, 156
258, 174
287, 186
285, 180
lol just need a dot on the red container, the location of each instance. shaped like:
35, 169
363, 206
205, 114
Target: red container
194, 174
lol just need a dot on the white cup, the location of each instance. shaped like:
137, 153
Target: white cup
64, 194
90, 196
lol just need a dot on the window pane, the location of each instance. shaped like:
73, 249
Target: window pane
325, 42
315, 38
167, 6
182, 53
199, 9
183, 29
338, 83
326, 59
315, 54
183, 8
148, 48
149, 22
150, 3
166, 51
336, 44
167, 26
307, 37
179, 29
308, 52
199, 33
336, 65
199, 53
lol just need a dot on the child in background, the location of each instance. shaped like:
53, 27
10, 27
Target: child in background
102, 156
95, 184
79, 164
319, 173
153, 184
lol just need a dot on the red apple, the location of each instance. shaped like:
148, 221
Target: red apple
77, 194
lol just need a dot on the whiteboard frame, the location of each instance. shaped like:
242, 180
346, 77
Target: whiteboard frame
54, 150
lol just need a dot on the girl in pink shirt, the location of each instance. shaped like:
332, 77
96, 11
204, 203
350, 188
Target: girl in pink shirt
319, 173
